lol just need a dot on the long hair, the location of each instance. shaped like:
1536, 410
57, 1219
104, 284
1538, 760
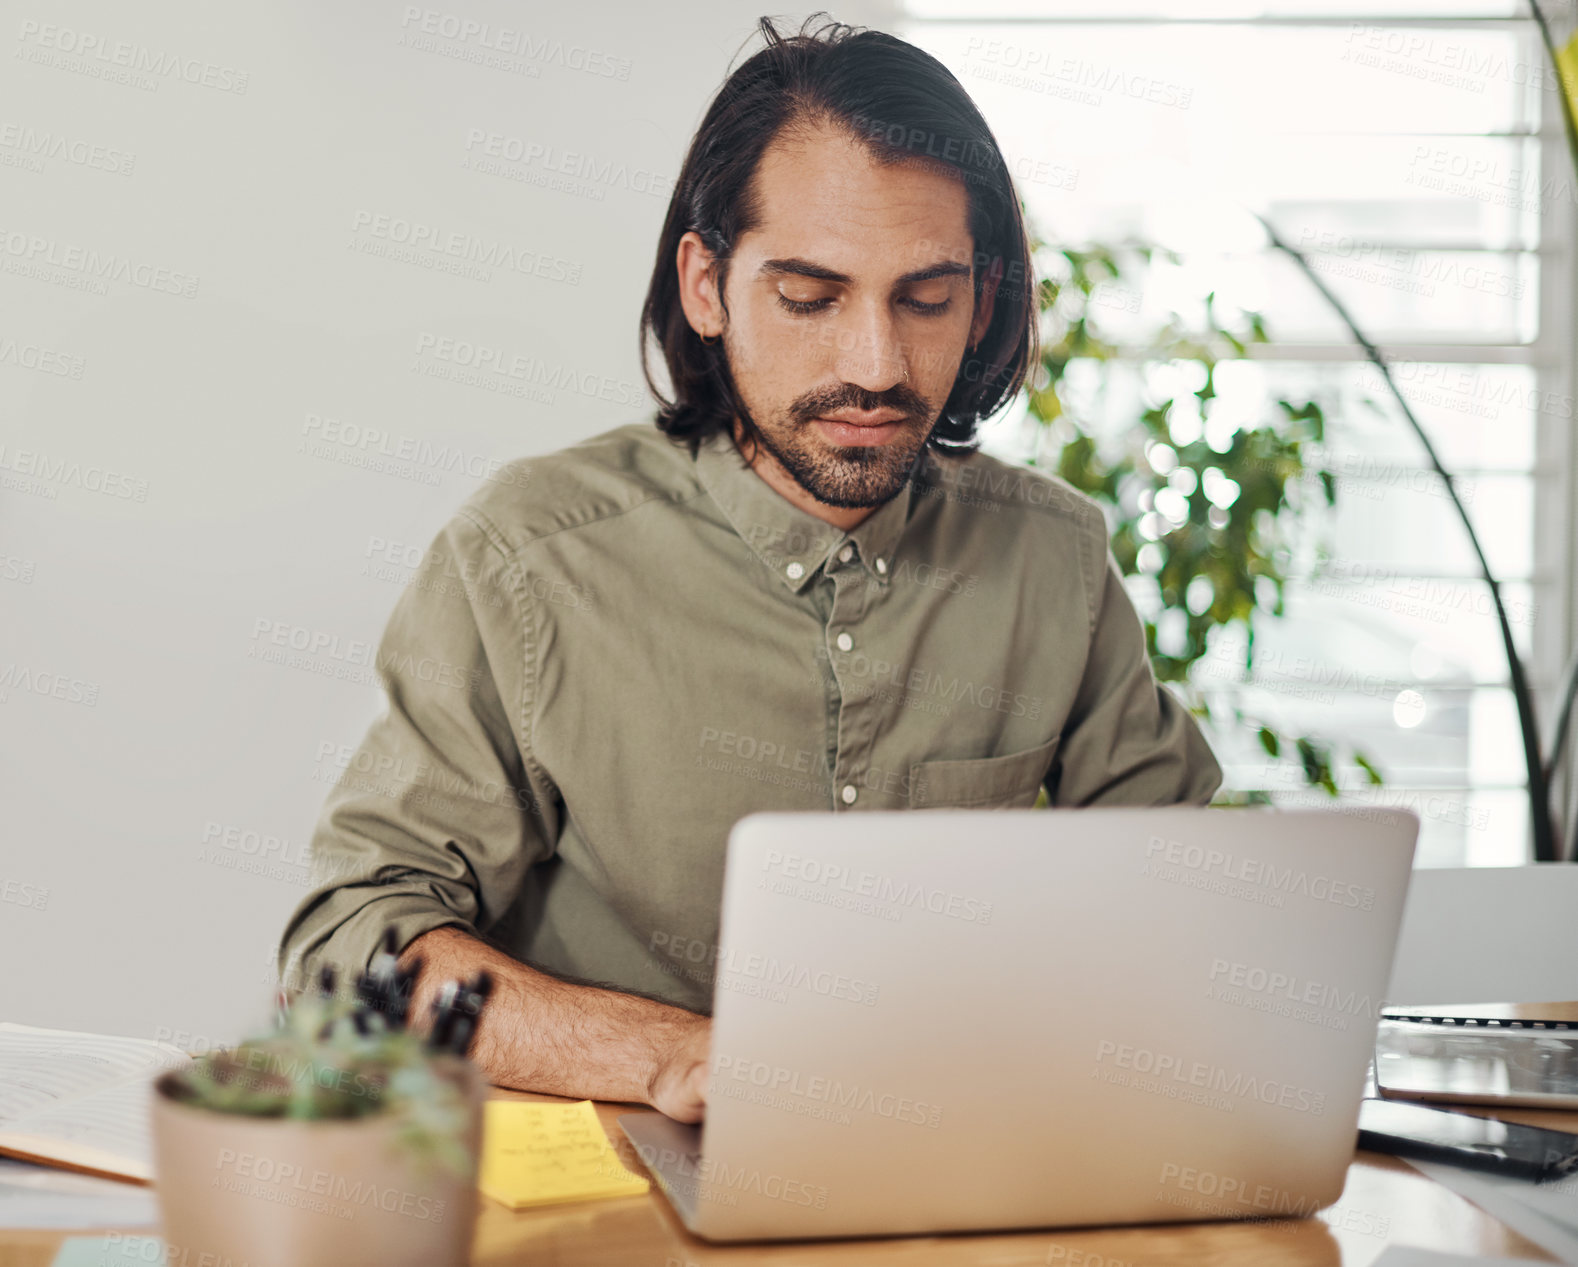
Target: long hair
905, 106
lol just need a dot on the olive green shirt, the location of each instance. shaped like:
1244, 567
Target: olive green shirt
612, 653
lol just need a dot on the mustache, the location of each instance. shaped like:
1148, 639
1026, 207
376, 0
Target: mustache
902, 397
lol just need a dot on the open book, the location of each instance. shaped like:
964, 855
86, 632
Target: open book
80, 1100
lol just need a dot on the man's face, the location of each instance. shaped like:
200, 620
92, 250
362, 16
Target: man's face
850, 309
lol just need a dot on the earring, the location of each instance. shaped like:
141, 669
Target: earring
709, 339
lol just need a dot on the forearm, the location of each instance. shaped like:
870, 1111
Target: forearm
539, 1033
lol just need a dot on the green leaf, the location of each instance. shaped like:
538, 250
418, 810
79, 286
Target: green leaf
1249, 547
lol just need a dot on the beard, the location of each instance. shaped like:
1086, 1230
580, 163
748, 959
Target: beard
846, 476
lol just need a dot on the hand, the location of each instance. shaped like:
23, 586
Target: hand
679, 1085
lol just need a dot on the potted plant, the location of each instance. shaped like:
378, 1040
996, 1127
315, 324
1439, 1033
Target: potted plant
340, 1137
1205, 521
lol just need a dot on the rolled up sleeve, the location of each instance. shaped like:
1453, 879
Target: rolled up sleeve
435, 818
1128, 739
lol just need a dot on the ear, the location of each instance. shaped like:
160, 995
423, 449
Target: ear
698, 292
982, 320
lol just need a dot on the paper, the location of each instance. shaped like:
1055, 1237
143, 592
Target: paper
44, 1197
81, 1099
40, 1068
1408, 1256
543, 1154
1546, 1213
109, 1251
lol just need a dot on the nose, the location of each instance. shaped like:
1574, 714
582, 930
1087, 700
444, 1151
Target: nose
870, 354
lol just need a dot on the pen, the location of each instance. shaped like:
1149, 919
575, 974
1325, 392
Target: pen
374, 988
472, 1000
404, 985
327, 978
443, 1016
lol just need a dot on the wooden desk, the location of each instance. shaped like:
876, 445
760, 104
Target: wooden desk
1385, 1201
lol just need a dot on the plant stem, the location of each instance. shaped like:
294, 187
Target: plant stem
1539, 787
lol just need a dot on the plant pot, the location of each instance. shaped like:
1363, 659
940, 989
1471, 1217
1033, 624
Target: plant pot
244, 1191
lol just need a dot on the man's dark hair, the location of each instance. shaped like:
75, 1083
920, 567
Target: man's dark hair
905, 106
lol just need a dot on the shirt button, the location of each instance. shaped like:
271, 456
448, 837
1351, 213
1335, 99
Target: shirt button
849, 794
795, 570
882, 567
846, 554
845, 642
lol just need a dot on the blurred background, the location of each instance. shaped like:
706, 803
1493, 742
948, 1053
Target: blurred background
259, 268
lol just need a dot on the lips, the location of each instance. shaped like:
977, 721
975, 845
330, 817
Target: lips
854, 434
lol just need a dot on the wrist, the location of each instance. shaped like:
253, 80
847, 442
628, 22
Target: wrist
674, 1043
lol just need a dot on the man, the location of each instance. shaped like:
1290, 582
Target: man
803, 590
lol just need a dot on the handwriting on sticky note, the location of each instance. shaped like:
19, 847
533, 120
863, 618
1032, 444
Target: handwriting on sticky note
542, 1154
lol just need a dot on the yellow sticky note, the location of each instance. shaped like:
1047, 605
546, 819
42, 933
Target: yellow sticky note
543, 1154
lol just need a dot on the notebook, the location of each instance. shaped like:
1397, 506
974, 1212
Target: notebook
80, 1101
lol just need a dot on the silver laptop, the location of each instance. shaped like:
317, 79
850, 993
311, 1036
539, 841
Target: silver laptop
955, 1020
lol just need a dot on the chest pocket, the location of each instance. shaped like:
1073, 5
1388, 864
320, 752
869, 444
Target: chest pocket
1010, 782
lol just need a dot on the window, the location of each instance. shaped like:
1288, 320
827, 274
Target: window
1415, 152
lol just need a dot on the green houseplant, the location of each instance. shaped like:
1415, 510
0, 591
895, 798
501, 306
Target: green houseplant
1204, 518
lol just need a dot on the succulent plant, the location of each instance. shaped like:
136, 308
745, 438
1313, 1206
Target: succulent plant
335, 1058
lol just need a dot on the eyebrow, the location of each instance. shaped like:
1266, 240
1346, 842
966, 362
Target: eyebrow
804, 268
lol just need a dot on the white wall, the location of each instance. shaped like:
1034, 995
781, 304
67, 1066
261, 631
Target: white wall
180, 499
1488, 935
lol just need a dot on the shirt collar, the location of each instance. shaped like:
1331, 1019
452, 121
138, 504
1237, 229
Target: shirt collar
791, 542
